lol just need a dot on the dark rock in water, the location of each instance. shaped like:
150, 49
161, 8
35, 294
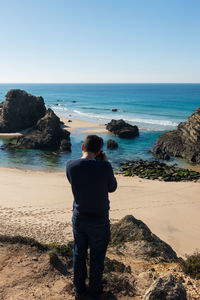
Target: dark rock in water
47, 134
111, 144
157, 170
73, 101
122, 129
20, 111
134, 237
166, 288
65, 145
115, 109
183, 142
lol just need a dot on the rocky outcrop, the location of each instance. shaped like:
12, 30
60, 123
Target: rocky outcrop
166, 288
111, 144
183, 142
134, 237
125, 276
46, 135
122, 129
157, 170
20, 111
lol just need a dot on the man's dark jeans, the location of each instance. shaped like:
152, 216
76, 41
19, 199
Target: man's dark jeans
95, 235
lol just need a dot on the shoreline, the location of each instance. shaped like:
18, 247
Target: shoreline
85, 126
78, 126
38, 203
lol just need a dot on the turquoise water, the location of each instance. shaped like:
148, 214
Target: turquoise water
154, 108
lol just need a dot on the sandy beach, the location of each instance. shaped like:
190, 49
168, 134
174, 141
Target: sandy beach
83, 126
39, 204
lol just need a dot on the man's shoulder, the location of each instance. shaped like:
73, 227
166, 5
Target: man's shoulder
104, 163
72, 162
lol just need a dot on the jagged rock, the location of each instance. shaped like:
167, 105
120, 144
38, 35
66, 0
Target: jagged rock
1, 104
134, 237
183, 142
111, 144
20, 111
166, 288
47, 134
122, 129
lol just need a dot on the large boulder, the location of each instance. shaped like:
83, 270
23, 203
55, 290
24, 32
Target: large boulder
122, 129
111, 144
166, 288
183, 142
20, 111
133, 237
45, 135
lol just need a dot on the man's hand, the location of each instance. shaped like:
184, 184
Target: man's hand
104, 157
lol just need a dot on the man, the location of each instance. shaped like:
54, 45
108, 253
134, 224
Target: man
91, 178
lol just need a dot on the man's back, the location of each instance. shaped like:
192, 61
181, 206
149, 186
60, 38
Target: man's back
91, 180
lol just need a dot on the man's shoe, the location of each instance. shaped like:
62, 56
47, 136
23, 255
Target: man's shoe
107, 296
83, 296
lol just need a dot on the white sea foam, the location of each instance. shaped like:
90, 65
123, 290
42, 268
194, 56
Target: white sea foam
60, 108
131, 119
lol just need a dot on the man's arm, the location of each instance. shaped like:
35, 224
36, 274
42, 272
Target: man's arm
67, 171
112, 182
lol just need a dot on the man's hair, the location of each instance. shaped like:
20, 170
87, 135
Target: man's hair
93, 143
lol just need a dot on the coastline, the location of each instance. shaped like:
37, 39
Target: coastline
82, 126
38, 204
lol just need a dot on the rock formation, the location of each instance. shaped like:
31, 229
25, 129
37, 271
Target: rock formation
45, 135
183, 142
127, 275
111, 144
20, 111
134, 237
122, 129
167, 287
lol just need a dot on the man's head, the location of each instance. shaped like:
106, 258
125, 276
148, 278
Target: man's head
92, 144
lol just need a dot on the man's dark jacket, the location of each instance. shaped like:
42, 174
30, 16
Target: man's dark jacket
91, 180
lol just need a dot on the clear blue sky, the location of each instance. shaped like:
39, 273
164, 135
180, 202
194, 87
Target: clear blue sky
99, 41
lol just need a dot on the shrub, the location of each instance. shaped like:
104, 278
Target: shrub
191, 265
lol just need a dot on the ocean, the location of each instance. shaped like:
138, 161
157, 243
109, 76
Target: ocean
154, 108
